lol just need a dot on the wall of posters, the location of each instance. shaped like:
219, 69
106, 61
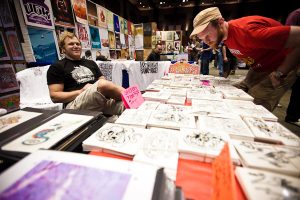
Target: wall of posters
63, 13
14, 45
43, 45
3, 49
8, 81
37, 13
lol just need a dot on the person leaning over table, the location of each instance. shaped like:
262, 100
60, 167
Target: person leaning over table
79, 83
271, 49
155, 54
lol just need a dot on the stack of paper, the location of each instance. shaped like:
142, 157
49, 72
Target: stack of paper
237, 94
134, 117
156, 96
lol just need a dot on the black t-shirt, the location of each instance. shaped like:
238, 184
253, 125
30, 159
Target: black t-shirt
153, 56
74, 74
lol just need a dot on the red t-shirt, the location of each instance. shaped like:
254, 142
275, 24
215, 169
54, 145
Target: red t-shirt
258, 41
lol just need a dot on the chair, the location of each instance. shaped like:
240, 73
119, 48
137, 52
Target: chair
34, 90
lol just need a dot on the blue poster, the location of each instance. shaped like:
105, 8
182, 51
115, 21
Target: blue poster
43, 45
116, 23
95, 37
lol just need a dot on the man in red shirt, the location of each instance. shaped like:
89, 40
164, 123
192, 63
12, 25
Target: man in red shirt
271, 49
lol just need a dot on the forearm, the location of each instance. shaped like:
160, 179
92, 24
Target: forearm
64, 97
291, 61
253, 77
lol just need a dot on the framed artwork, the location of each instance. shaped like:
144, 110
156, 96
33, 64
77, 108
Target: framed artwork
102, 17
83, 35
8, 80
63, 13
80, 11
37, 13
92, 13
47, 134
3, 49
14, 45
43, 44
10, 102
6, 18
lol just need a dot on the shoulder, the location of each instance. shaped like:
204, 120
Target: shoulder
254, 22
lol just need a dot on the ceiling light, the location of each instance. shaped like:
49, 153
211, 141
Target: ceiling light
160, 2
183, 1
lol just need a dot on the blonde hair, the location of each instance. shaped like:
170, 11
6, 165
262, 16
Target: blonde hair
63, 36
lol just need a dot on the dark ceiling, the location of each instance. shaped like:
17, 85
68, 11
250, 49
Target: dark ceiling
179, 14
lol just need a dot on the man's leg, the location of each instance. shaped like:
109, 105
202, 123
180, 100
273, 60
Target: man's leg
266, 95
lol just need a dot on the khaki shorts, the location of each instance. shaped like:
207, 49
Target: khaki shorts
91, 99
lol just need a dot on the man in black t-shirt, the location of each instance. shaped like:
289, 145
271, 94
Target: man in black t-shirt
155, 54
79, 83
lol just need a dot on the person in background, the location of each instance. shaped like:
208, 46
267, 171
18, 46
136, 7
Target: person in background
205, 56
100, 57
220, 60
194, 49
155, 54
79, 84
293, 110
229, 62
271, 49
88, 55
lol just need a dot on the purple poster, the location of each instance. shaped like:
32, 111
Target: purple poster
37, 13
55, 180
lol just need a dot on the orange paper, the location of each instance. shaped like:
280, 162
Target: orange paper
223, 177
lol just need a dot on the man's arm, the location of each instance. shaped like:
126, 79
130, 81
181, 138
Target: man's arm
59, 96
292, 60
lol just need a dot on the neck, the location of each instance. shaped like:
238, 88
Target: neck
226, 25
66, 56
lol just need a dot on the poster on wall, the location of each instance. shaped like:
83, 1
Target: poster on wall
8, 80
122, 40
43, 45
62, 12
102, 19
37, 13
112, 40
80, 11
83, 36
176, 45
147, 29
95, 38
177, 35
110, 20
139, 38
129, 28
92, 13
20, 67
112, 54
14, 45
170, 46
3, 49
116, 23
10, 102
118, 41
104, 38
125, 27
6, 17
170, 35
121, 23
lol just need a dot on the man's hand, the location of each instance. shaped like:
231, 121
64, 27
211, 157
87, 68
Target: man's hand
276, 80
241, 85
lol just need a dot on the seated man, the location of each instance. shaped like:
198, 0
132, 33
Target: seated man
155, 54
79, 83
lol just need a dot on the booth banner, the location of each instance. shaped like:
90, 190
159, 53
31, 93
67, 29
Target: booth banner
92, 13
43, 45
63, 14
6, 17
102, 18
104, 38
10, 102
14, 45
83, 35
3, 48
112, 40
8, 81
184, 68
116, 23
95, 37
37, 13
80, 11
110, 20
